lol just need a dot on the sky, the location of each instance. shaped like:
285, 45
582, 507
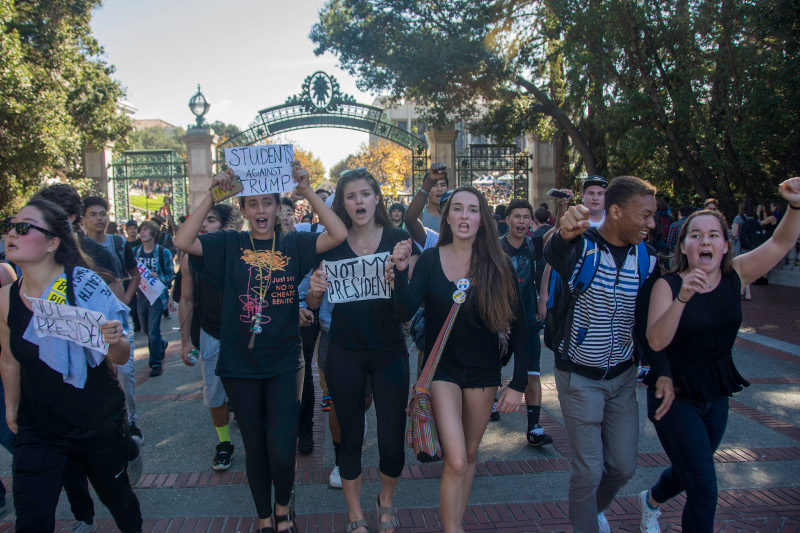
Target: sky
246, 55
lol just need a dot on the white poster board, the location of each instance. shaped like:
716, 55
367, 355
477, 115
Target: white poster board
262, 169
362, 278
149, 284
70, 323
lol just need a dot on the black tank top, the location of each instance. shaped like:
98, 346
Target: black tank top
47, 404
208, 305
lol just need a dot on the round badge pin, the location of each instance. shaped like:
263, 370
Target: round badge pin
463, 284
459, 297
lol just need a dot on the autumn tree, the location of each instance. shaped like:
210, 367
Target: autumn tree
389, 162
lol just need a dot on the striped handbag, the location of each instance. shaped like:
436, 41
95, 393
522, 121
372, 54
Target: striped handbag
421, 433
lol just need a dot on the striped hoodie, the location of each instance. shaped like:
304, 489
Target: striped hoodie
602, 338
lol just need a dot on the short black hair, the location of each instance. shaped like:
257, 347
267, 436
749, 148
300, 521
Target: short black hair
685, 210
500, 210
518, 203
286, 201
623, 188
66, 197
542, 215
320, 190
91, 201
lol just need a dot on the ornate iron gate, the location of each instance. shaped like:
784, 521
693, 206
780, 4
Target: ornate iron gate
149, 165
483, 161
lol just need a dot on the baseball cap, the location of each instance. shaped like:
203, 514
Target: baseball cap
444, 197
595, 180
131, 222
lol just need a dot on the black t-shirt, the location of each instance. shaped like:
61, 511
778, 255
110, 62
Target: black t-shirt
208, 305
470, 344
367, 324
523, 263
103, 259
229, 259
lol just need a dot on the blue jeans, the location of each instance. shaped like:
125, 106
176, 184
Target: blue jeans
690, 433
150, 320
534, 346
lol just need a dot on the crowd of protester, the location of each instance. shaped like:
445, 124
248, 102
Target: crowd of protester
623, 287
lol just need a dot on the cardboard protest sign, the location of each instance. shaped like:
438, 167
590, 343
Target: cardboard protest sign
362, 278
262, 169
69, 323
149, 284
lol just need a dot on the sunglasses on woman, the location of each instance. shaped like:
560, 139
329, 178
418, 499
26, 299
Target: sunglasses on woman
354, 172
22, 228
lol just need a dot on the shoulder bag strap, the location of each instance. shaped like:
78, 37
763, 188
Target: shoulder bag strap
425, 378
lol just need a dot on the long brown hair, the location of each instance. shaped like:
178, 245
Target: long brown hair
681, 262
490, 277
381, 215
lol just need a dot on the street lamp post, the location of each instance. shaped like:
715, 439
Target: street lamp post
199, 107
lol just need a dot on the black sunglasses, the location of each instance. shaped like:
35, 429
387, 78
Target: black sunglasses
22, 228
354, 171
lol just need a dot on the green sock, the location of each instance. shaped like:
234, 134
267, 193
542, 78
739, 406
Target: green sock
224, 435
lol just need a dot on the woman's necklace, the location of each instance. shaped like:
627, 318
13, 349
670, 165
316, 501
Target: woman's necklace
255, 327
365, 248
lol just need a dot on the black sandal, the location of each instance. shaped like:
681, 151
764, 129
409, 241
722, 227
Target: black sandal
394, 523
280, 519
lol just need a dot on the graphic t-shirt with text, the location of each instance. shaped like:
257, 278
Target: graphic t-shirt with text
251, 296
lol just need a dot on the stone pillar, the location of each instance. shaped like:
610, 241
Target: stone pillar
200, 151
97, 167
542, 175
442, 149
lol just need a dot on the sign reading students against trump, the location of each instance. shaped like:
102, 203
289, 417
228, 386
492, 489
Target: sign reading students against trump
69, 323
262, 169
362, 278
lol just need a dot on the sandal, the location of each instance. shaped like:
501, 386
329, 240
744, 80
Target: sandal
394, 523
280, 519
357, 524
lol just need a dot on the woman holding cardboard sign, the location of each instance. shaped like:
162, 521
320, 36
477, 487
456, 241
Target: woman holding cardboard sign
366, 339
62, 400
260, 359
468, 267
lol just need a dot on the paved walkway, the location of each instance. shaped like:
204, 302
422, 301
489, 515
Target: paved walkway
518, 488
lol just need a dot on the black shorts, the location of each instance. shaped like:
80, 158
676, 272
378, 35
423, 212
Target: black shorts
467, 377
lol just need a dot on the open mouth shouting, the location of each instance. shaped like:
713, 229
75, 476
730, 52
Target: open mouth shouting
706, 257
261, 223
361, 213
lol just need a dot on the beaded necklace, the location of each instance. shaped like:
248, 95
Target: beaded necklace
255, 327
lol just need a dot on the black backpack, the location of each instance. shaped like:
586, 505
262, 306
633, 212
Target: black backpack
751, 236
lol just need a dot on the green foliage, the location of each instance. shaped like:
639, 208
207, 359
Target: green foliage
337, 169
56, 94
224, 131
158, 139
698, 97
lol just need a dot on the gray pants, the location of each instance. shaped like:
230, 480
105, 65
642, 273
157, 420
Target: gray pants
602, 420
127, 379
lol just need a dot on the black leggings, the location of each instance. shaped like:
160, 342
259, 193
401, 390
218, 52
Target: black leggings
346, 374
267, 411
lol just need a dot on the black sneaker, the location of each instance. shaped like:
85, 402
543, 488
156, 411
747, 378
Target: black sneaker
537, 437
222, 460
495, 416
305, 443
136, 432
156, 371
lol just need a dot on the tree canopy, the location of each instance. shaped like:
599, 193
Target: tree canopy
56, 93
389, 162
698, 97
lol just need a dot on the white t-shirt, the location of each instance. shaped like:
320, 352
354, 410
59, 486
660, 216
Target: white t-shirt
306, 226
593, 224
431, 238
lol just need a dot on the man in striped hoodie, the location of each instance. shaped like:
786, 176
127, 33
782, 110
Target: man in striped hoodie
595, 347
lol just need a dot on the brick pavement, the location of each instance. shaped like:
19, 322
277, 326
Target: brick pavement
774, 312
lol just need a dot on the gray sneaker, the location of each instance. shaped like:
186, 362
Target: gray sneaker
83, 527
602, 523
136, 464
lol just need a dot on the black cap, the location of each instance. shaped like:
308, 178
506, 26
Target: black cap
595, 180
131, 222
444, 197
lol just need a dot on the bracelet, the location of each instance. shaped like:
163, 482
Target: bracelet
423, 191
793, 207
678, 297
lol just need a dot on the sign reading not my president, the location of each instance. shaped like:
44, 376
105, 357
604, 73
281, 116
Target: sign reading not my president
362, 278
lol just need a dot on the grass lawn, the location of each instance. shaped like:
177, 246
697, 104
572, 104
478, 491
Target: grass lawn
142, 202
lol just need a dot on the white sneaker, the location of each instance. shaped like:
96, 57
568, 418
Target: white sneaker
649, 522
335, 480
602, 523
83, 527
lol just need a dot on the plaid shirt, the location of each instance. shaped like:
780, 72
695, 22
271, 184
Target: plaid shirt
674, 231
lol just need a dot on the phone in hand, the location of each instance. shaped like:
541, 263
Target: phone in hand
219, 194
557, 193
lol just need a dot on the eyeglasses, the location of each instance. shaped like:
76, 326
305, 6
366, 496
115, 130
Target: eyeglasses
354, 172
22, 228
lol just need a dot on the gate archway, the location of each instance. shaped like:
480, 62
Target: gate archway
321, 104
140, 169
